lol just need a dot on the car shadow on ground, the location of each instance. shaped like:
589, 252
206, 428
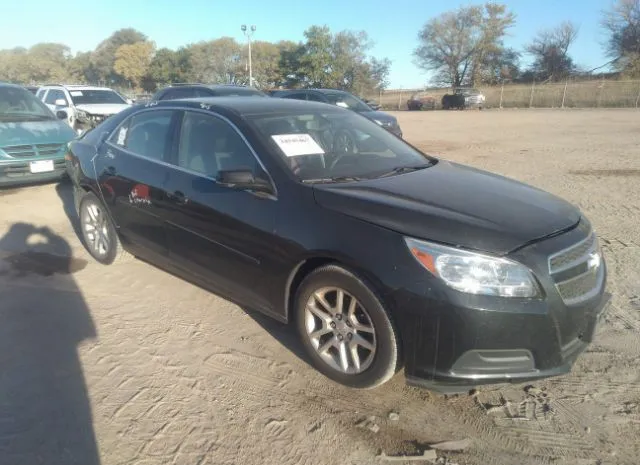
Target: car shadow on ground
64, 190
284, 334
45, 414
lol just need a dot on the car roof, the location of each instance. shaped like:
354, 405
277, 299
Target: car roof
244, 106
322, 91
77, 87
12, 85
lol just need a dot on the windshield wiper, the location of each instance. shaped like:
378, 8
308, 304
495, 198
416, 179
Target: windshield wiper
403, 169
331, 179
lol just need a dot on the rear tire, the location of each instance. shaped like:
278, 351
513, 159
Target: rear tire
99, 235
350, 339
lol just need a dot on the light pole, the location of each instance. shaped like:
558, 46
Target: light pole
248, 33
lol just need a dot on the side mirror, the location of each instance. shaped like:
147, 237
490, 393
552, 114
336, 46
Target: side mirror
243, 179
61, 114
60, 102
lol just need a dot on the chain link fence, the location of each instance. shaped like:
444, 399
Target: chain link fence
569, 94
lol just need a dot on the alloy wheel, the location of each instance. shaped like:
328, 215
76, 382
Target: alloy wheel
95, 228
340, 330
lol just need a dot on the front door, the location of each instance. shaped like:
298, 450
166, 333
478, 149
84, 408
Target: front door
133, 172
219, 234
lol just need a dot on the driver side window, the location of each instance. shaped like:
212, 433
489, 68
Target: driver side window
209, 145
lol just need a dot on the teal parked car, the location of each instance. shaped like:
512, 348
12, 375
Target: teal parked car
33, 140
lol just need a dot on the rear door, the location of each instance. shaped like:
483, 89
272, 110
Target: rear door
133, 172
221, 235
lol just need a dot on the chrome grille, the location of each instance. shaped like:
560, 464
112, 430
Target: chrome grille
26, 151
572, 256
577, 271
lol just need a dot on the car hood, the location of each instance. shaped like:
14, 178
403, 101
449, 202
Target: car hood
380, 116
453, 204
103, 108
35, 132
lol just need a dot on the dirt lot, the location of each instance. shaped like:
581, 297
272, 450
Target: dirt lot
127, 364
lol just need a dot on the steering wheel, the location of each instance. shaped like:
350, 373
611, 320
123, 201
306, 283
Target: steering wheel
344, 144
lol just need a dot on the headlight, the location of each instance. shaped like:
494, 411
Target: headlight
474, 273
82, 115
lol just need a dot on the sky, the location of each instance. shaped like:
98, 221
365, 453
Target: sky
393, 26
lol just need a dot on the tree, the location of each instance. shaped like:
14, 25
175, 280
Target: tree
457, 44
81, 69
217, 61
48, 62
265, 58
622, 23
14, 66
166, 67
132, 61
104, 56
337, 61
550, 51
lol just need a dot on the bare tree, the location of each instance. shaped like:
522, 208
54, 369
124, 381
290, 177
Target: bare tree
550, 50
622, 23
456, 44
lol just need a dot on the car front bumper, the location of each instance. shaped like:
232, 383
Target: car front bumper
17, 172
454, 341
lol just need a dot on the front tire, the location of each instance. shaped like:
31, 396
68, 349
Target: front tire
346, 329
98, 232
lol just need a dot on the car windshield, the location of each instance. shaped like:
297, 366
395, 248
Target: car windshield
342, 99
335, 146
95, 96
17, 104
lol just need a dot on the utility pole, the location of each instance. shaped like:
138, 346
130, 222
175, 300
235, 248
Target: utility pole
248, 34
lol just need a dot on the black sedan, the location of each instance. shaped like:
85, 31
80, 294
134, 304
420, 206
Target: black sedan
343, 99
381, 256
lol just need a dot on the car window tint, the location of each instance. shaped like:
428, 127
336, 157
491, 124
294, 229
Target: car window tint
40, 93
145, 133
209, 145
179, 93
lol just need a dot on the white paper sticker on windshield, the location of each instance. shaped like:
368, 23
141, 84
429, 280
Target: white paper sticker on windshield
342, 104
122, 135
76, 93
294, 145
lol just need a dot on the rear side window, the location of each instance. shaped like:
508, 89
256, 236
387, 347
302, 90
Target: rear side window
147, 134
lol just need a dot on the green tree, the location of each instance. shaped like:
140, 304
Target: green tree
457, 44
166, 67
216, 61
337, 61
104, 56
132, 61
622, 23
550, 51
14, 65
81, 69
48, 62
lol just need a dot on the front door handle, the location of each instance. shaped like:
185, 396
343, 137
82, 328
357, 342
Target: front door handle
178, 197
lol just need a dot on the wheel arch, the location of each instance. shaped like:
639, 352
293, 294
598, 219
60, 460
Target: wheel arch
304, 267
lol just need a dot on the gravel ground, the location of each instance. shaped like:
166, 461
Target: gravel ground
128, 364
